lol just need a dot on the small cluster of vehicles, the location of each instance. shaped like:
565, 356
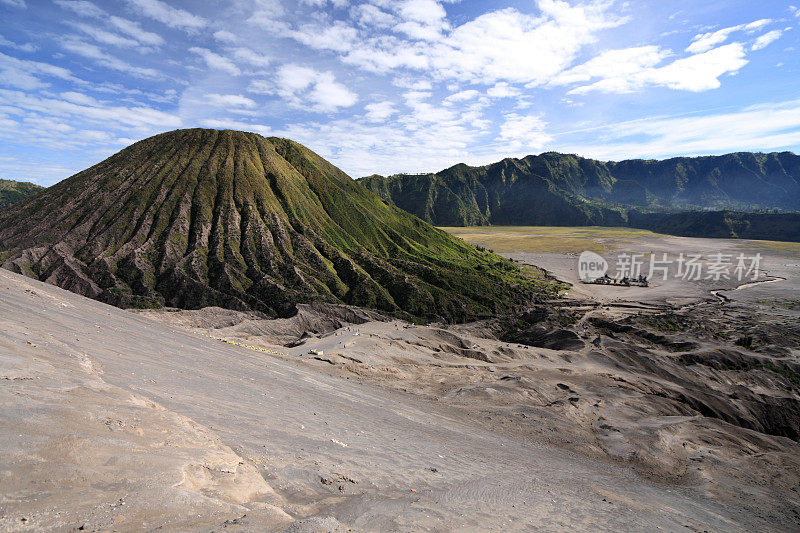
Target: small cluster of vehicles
640, 281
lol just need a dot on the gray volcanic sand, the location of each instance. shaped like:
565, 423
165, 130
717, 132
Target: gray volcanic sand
112, 421
125, 420
674, 398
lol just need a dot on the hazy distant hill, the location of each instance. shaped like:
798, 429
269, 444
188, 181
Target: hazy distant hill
194, 218
12, 192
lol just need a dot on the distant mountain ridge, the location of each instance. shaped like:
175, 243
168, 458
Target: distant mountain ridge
195, 218
554, 189
563, 189
12, 191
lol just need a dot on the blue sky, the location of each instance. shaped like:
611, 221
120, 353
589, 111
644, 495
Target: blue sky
398, 86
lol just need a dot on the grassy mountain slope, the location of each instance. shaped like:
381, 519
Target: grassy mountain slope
12, 192
546, 189
561, 189
741, 181
193, 218
555, 189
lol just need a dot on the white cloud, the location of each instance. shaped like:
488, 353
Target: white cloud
764, 40
330, 95
294, 78
379, 111
72, 128
105, 37
524, 132
706, 41
79, 98
225, 36
339, 36
503, 90
229, 100
405, 82
699, 72
386, 148
91, 51
462, 96
26, 75
82, 8
14, 3
133, 29
423, 20
230, 124
322, 3
510, 46
507, 48
137, 117
423, 11
306, 87
250, 57
168, 15
504, 45
216, 61
266, 12
418, 31
614, 64
370, 15
411, 142
760, 127
26, 47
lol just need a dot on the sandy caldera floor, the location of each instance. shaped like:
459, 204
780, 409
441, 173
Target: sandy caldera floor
576, 415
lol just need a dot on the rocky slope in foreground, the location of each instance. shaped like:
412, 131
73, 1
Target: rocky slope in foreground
12, 191
195, 218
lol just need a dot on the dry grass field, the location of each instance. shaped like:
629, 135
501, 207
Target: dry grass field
543, 239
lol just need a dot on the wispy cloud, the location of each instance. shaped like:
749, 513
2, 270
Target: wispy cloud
216, 61
229, 100
133, 29
24, 47
706, 41
765, 40
82, 8
67, 109
28, 75
90, 51
767, 126
168, 15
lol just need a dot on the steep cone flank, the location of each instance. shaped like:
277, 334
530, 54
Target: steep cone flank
193, 218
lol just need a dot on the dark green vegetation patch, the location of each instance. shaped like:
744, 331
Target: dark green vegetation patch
12, 192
